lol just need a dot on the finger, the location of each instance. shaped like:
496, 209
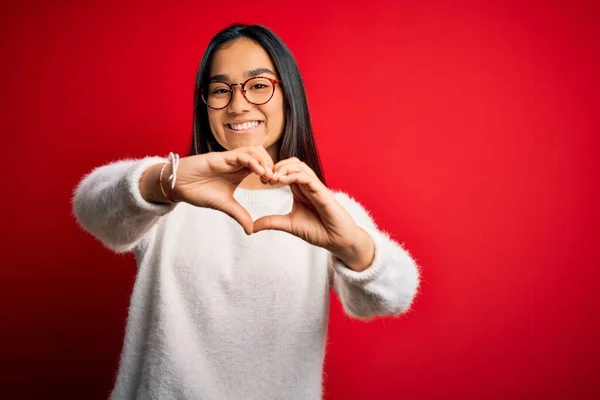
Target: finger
294, 168
291, 160
297, 165
302, 178
285, 170
273, 222
240, 214
312, 191
251, 163
264, 159
265, 155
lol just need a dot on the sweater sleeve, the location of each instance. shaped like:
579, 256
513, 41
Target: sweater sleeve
108, 204
388, 286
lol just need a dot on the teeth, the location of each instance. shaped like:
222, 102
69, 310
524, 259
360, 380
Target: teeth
245, 125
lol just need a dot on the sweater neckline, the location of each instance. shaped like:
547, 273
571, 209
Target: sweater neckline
262, 196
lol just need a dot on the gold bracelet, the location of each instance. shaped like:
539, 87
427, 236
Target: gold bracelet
160, 179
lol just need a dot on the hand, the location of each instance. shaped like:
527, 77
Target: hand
209, 180
316, 216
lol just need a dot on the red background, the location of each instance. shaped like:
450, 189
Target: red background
469, 129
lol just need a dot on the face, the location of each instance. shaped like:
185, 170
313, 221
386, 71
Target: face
242, 123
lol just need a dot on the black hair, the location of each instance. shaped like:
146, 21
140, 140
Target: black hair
297, 139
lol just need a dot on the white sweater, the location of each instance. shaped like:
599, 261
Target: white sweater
216, 314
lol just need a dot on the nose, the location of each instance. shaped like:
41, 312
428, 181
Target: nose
238, 103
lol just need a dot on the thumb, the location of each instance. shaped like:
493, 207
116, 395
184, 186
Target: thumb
273, 222
240, 214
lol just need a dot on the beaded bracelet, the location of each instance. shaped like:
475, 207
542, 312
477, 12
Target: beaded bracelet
174, 160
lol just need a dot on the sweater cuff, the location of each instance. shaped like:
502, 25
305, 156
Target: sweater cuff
371, 272
133, 187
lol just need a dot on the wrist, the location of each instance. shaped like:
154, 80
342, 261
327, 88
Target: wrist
149, 185
360, 254
167, 178
166, 189
156, 187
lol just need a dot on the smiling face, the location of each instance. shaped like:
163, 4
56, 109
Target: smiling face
242, 123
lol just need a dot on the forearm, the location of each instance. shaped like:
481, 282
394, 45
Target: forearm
108, 203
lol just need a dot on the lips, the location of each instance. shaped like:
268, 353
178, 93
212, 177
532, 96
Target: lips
244, 126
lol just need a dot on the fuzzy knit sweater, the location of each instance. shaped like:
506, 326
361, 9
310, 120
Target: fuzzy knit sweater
216, 314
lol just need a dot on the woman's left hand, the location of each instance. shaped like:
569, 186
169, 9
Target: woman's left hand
316, 216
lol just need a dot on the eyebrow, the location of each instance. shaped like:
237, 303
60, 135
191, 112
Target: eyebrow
249, 74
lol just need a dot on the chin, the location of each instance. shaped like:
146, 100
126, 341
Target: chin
235, 143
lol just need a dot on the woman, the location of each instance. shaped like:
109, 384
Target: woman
238, 243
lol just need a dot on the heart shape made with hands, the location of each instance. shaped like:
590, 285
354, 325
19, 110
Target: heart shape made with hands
210, 180
310, 196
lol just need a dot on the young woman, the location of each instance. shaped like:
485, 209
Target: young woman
238, 243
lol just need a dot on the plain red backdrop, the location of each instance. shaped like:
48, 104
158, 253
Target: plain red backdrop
470, 130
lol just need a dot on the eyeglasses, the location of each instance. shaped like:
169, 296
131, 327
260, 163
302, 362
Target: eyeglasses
258, 91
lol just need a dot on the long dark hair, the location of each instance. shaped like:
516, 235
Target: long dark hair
297, 139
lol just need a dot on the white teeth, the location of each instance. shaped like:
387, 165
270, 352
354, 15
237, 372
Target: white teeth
245, 125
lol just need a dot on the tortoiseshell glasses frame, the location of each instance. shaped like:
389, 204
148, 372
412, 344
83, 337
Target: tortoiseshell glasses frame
243, 87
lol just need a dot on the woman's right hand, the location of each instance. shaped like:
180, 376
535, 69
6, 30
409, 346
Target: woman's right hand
210, 179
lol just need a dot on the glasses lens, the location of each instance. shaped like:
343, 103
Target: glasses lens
259, 90
217, 95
